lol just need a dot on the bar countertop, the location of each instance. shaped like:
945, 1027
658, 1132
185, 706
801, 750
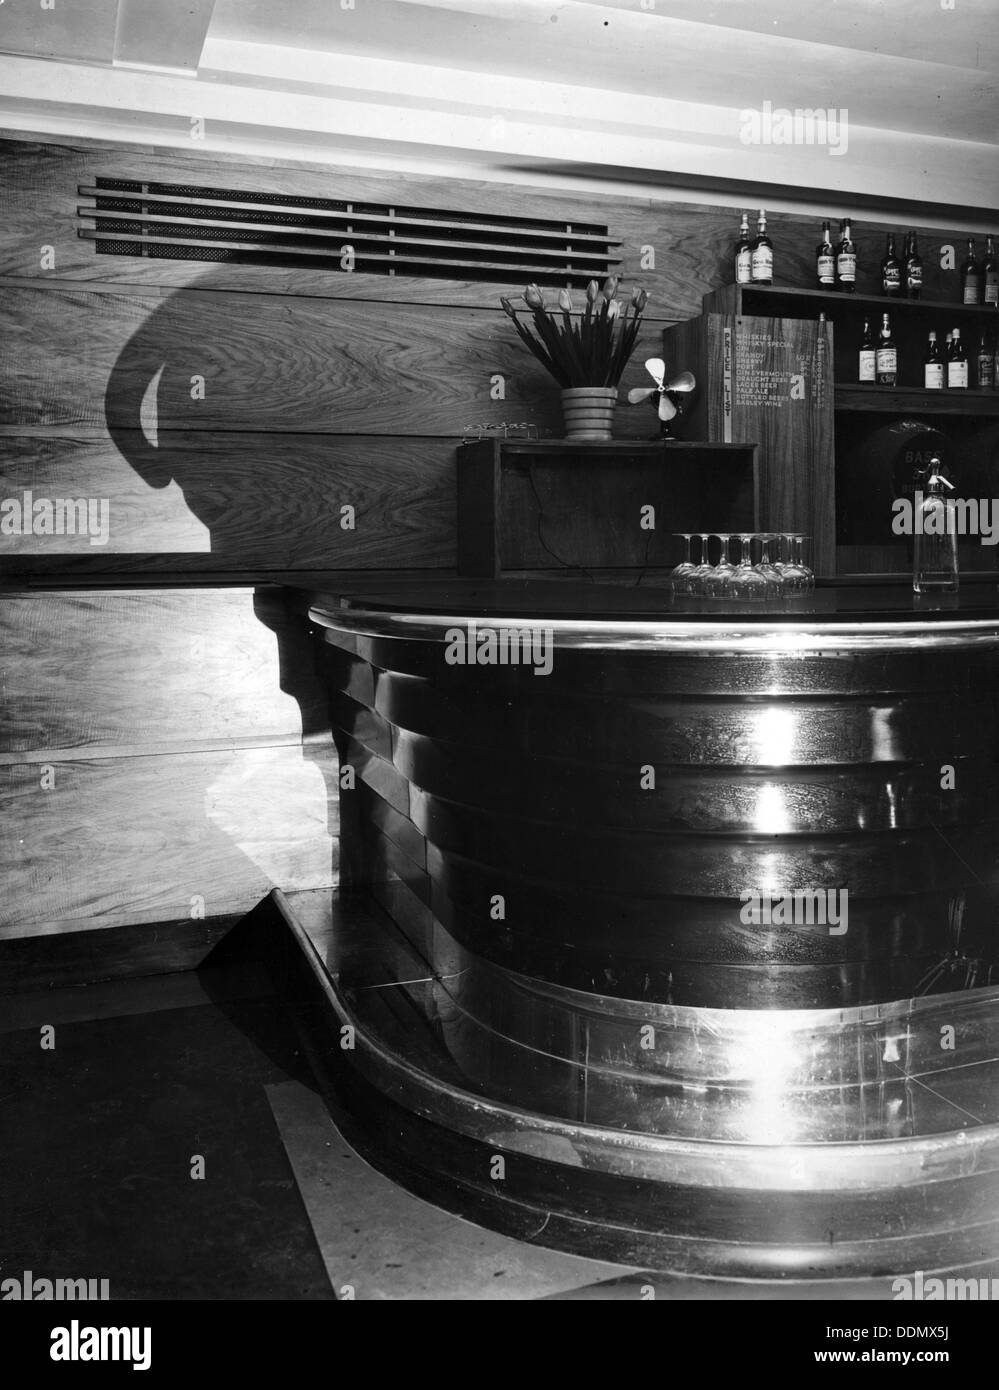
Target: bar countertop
593, 614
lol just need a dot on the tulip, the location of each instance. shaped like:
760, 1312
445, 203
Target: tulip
533, 298
641, 301
507, 306
565, 301
592, 290
610, 286
614, 308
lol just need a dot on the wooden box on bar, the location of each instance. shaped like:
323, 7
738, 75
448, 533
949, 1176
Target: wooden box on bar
528, 505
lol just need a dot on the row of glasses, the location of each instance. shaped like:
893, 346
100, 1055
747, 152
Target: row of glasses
753, 581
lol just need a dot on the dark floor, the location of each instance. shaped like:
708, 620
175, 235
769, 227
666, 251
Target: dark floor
101, 1133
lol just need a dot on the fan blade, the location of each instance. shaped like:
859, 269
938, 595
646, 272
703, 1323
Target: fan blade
637, 394
656, 368
684, 382
666, 408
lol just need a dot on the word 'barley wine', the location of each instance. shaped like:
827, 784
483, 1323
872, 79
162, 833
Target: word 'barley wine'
887, 354
846, 260
743, 254
825, 261
762, 261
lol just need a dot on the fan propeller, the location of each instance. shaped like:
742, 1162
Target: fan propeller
656, 368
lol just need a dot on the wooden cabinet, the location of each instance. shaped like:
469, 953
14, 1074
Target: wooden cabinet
872, 441
767, 380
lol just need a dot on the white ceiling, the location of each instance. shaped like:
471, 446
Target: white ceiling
628, 89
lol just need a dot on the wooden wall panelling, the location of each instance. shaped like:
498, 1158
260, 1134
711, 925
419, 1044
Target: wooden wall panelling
271, 363
105, 672
691, 242
227, 501
116, 841
152, 742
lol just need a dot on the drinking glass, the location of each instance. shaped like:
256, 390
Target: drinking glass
763, 566
701, 575
680, 576
794, 575
809, 577
746, 582
721, 574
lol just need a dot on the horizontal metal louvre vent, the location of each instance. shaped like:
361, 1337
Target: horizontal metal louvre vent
182, 222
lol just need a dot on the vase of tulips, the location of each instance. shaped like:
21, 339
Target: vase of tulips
585, 351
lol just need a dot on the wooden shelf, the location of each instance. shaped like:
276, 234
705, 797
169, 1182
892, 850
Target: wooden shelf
791, 303
553, 504
895, 400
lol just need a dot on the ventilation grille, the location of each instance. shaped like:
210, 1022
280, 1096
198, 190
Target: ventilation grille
180, 222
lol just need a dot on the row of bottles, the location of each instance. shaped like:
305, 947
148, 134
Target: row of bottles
878, 363
754, 259
836, 264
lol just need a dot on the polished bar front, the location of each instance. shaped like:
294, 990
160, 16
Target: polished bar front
697, 894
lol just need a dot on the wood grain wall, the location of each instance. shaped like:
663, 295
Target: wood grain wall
321, 388
164, 756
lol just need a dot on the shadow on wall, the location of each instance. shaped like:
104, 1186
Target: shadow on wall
232, 787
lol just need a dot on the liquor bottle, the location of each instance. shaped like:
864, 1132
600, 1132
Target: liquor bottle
825, 261
913, 268
971, 276
957, 363
933, 367
846, 260
985, 375
887, 355
991, 273
867, 363
934, 551
762, 262
891, 269
743, 254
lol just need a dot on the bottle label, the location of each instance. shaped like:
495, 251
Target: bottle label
743, 267
957, 373
868, 365
887, 361
986, 371
892, 279
971, 290
825, 269
992, 287
915, 277
933, 376
763, 263
846, 265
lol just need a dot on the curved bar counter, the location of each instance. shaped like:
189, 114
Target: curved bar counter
701, 909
